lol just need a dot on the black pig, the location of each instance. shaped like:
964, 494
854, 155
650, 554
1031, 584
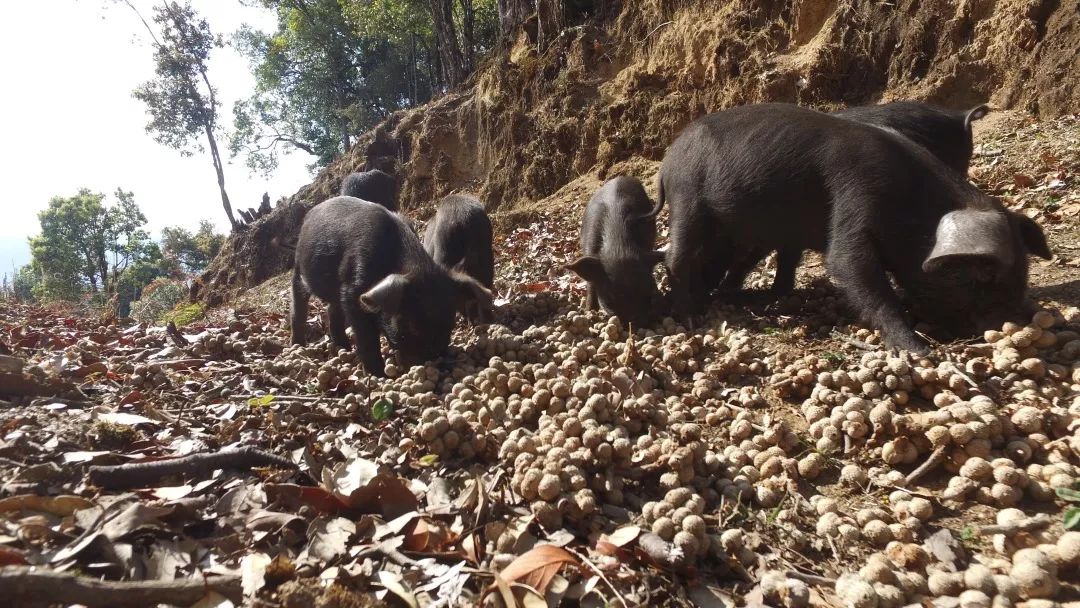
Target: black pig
459, 237
945, 133
617, 237
370, 268
754, 179
374, 186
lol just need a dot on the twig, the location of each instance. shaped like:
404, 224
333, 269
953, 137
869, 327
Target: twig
284, 397
175, 335
178, 363
599, 573
19, 585
855, 342
1037, 522
811, 579
936, 458
142, 474
653, 32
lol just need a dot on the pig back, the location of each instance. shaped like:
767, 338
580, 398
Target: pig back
461, 231
616, 219
348, 240
944, 133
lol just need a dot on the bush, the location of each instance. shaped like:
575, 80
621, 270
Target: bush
185, 314
158, 298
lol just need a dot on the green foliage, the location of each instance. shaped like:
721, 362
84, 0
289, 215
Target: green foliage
158, 298
186, 314
186, 253
1072, 514
85, 245
181, 102
334, 68
381, 410
23, 283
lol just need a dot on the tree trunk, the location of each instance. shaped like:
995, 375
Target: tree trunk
220, 170
468, 18
512, 14
442, 14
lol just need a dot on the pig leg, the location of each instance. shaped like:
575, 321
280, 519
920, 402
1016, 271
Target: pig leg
684, 260
365, 326
787, 262
854, 265
739, 268
299, 310
336, 314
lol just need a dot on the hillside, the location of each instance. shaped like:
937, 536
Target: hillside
614, 90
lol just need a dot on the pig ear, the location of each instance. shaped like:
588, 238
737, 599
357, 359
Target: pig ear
588, 267
386, 295
971, 234
470, 290
1032, 235
975, 114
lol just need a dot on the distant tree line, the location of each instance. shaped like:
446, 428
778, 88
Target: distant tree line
88, 247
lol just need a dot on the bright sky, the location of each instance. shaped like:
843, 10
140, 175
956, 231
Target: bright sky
70, 120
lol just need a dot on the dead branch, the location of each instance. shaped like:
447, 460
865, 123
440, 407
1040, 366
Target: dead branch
811, 579
142, 474
22, 585
599, 573
859, 344
932, 462
175, 335
1030, 524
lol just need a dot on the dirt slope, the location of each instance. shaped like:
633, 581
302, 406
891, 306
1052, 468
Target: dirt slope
616, 89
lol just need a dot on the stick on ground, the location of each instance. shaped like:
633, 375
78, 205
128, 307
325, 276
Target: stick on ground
1038, 522
37, 586
935, 459
143, 474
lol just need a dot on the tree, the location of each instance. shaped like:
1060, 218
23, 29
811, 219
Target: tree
187, 253
307, 77
180, 99
85, 245
24, 282
334, 68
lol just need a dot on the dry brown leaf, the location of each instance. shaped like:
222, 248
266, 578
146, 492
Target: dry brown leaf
537, 567
61, 506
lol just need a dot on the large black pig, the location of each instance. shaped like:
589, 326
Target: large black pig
755, 179
370, 268
459, 237
375, 186
945, 133
617, 237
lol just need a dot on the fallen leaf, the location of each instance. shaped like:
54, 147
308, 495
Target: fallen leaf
360, 485
393, 584
136, 516
296, 495
944, 546
538, 566
11, 557
61, 506
172, 492
124, 419
1023, 181
707, 596
253, 572
329, 538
